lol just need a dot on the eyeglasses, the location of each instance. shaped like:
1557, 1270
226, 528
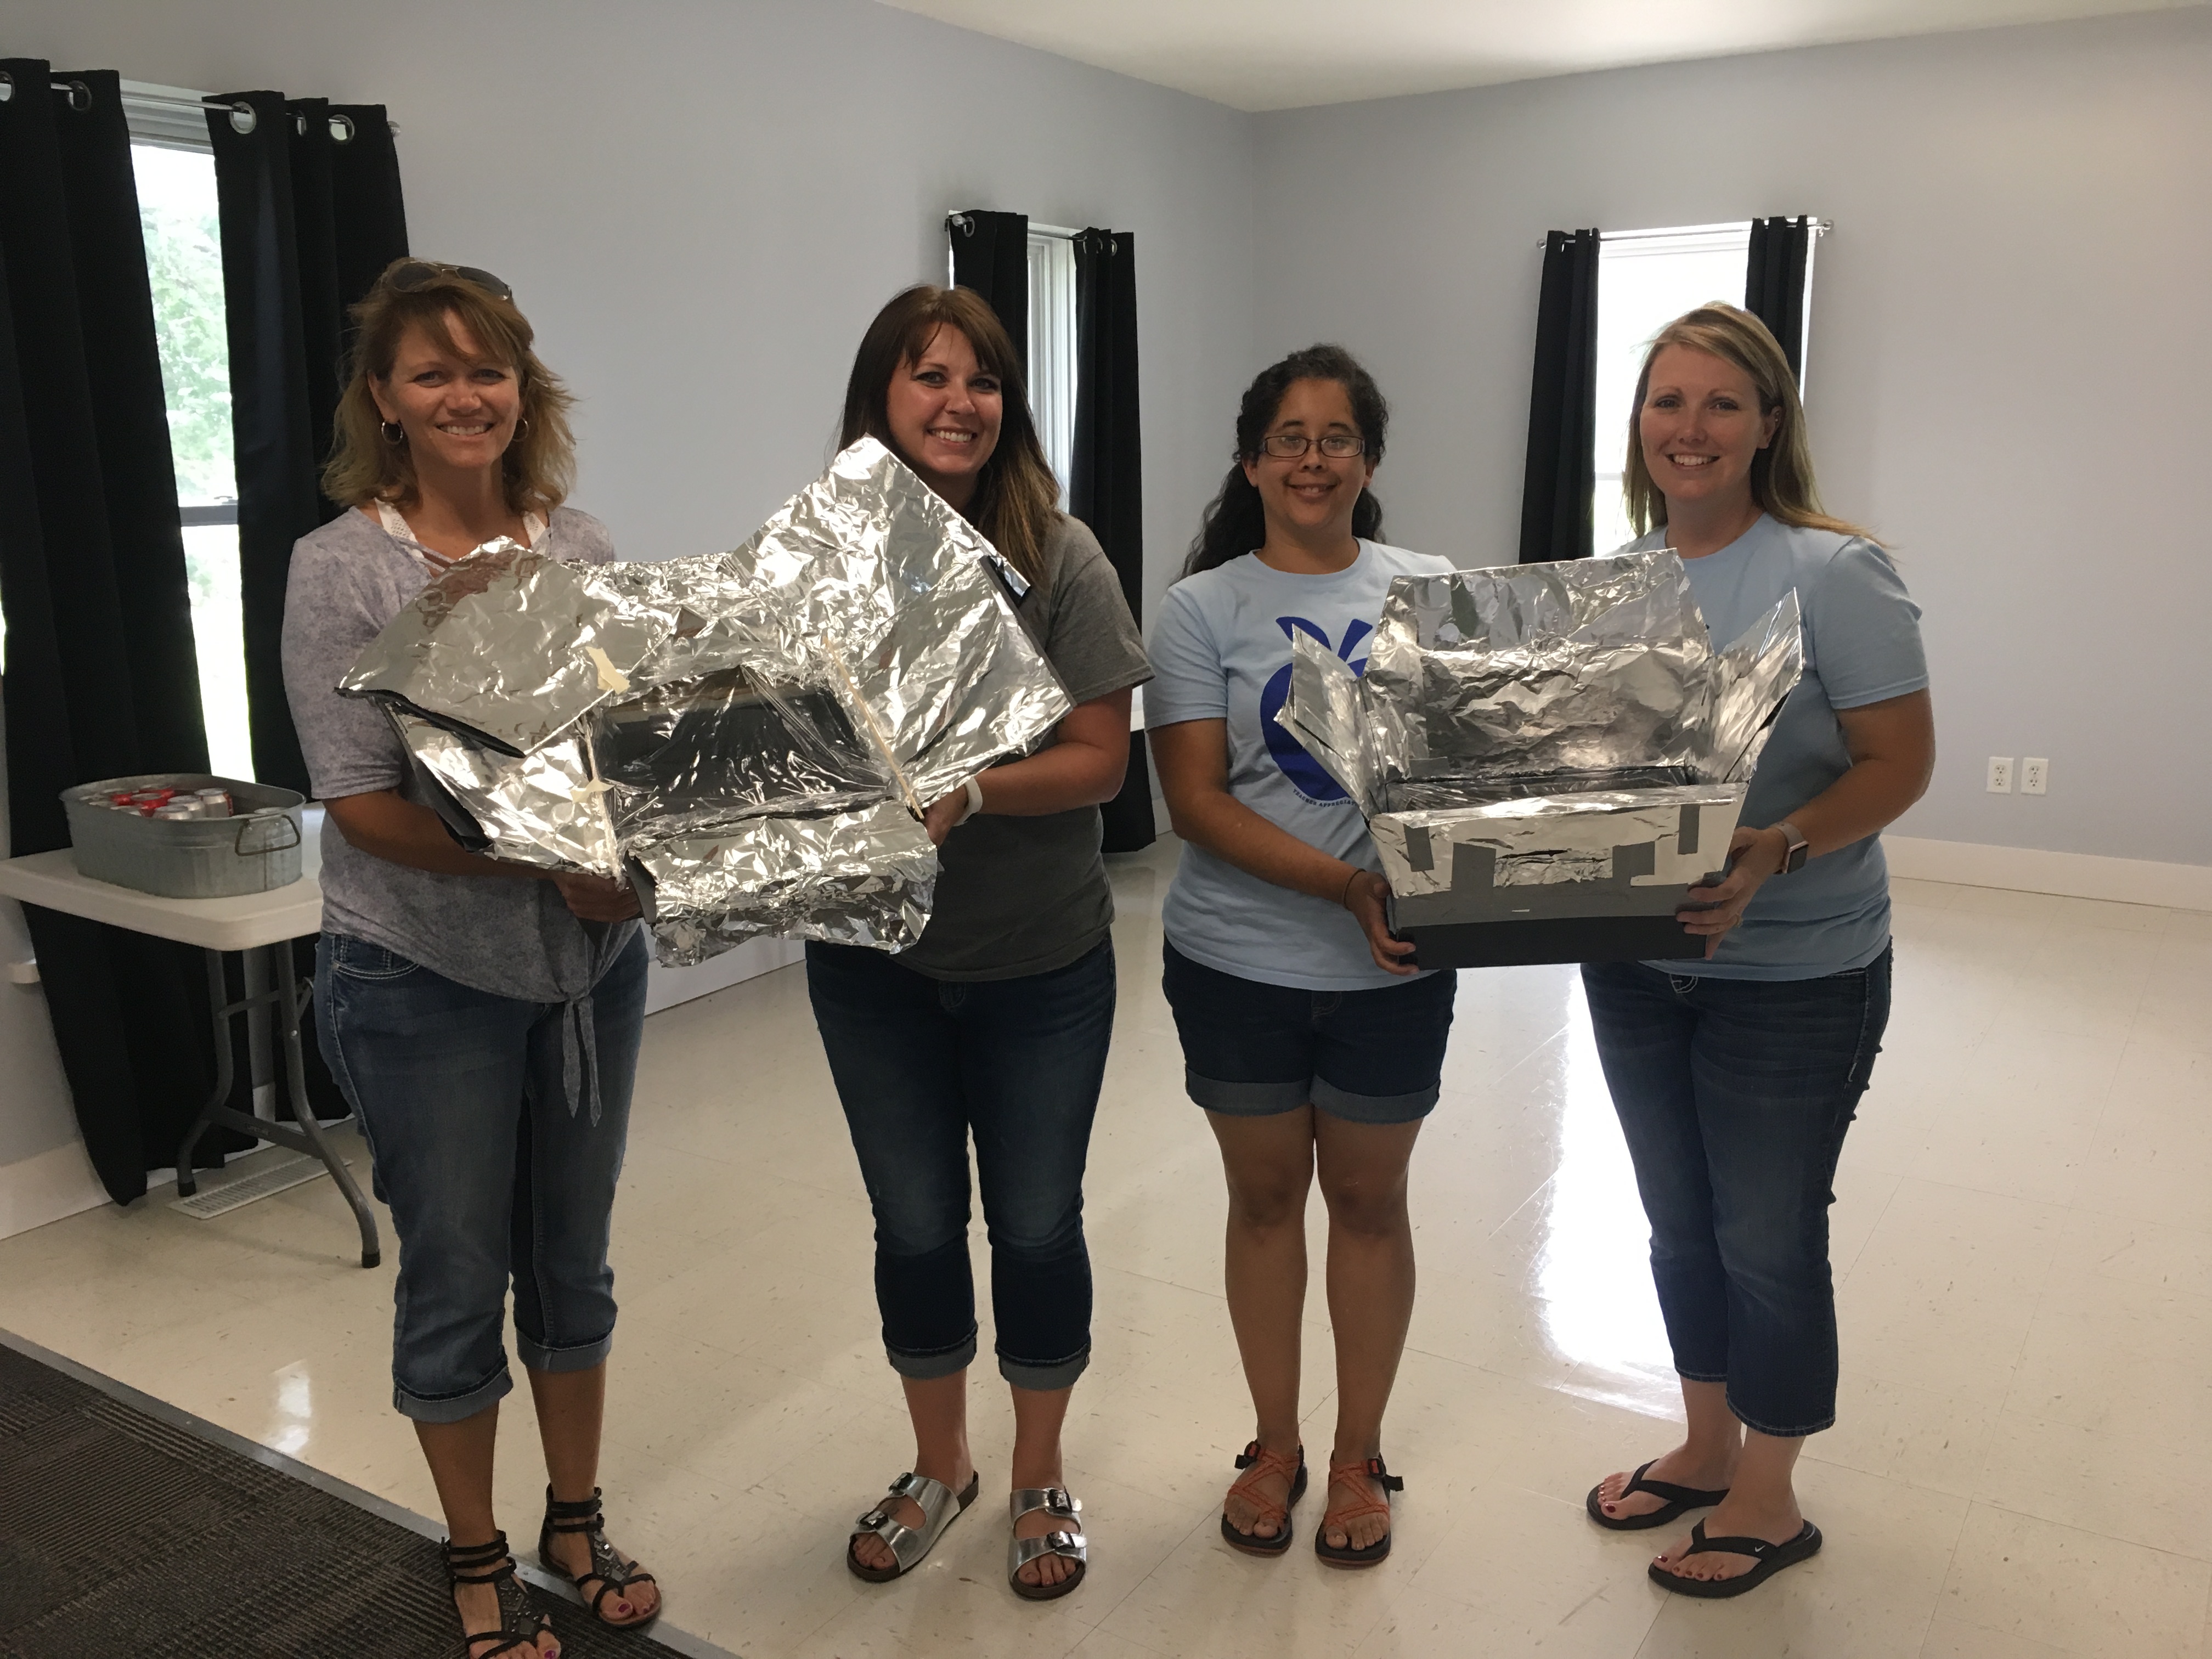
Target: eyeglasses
421, 273
1289, 446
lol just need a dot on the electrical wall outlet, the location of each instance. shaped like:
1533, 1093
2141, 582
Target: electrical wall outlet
2034, 776
2000, 774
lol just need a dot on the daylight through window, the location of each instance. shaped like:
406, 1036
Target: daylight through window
1052, 346
184, 258
1645, 279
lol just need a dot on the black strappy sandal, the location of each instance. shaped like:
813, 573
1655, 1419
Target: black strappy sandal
615, 1572
1344, 1474
1771, 1557
520, 1625
1680, 1500
1258, 1464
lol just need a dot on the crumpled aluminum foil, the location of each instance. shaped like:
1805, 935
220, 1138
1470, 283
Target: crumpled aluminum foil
1545, 726
750, 736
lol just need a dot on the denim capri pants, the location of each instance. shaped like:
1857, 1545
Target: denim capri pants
921, 1065
492, 1177
1734, 1095
1252, 1049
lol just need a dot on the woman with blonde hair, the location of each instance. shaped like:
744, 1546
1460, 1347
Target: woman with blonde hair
1737, 1076
482, 1017
995, 1022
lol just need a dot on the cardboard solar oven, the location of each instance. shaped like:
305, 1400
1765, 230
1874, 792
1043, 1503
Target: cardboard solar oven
750, 738
1549, 755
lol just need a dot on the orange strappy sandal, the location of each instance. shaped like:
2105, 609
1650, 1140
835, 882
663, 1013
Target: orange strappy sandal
1258, 1464
1349, 1474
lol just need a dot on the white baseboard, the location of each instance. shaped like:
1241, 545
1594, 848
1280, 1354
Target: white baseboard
664, 987
2075, 875
45, 1187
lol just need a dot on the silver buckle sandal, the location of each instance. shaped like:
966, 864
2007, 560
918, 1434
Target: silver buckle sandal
1065, 1542
940, 1507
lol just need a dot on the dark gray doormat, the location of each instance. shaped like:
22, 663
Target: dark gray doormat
128, 1527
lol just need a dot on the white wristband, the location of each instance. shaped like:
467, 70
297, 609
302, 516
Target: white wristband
975, 786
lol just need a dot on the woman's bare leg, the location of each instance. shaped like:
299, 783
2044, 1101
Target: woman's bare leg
460, 1459
571, 1406
1370, 1285
1269, 1162
1038, 1414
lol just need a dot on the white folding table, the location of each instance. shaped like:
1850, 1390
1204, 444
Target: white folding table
263, 924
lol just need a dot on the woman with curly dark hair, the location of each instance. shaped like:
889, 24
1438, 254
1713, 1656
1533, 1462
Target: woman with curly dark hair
1312, 1045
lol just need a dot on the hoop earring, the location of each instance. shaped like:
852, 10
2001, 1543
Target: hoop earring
522, 426
394, 433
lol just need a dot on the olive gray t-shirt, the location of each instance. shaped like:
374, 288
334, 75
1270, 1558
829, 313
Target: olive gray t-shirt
509, 937
1019, 895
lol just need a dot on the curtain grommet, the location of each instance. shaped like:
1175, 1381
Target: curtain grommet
244, 117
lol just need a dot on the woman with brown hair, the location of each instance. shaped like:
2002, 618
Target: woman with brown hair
1736, 1077
996, 1021
483, 1018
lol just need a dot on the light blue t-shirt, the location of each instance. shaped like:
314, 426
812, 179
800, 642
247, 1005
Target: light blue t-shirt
1221, 650
1862, 646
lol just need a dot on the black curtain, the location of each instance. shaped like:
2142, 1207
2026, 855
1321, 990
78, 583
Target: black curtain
991, 254
102, 680
1774, 283
1555, 491
1106, 490
311, 212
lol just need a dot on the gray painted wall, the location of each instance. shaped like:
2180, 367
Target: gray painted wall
2012, 348
700, 203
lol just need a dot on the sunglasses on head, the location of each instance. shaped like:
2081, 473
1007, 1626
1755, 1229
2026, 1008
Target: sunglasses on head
421, 273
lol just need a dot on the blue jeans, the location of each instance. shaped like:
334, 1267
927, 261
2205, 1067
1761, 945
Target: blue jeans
489, 1174
1734, 1096
919, 1064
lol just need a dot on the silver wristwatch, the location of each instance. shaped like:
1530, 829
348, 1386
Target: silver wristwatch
1797, 849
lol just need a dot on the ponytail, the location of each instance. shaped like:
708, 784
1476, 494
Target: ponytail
1235, 523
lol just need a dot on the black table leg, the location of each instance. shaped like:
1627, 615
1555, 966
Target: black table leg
303, 1135
218, 1003
295, 1078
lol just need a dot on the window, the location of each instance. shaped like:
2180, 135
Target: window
1647, 278
1051, 343
174, 170
1052, 346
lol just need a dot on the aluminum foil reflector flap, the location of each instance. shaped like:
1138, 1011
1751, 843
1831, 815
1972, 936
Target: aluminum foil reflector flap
750, 736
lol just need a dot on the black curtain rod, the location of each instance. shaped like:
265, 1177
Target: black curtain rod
243, 116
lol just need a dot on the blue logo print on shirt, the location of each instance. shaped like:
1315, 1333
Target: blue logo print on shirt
1301, 768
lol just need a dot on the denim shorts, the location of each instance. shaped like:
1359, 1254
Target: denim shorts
1251, 1049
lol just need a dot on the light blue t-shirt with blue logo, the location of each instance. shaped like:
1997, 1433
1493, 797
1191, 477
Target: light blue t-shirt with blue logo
1221, 650
1862, 646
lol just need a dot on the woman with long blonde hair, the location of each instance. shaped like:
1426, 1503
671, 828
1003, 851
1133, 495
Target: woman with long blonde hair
1736, 1077
482, 1017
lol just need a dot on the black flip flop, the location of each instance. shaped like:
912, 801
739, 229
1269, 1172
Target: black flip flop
1680, 1500
1772, 1558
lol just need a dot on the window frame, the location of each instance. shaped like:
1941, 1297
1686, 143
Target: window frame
161, 117
1053, 367
1731, 236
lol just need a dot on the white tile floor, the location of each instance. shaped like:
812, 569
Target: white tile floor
2023, 1244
